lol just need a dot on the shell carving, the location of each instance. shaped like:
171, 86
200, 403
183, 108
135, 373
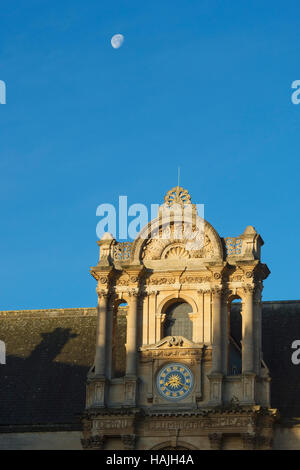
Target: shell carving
176, 252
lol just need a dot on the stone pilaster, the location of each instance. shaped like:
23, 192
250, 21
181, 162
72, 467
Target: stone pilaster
216, 376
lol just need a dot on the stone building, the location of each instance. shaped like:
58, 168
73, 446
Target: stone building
187, 355
191, 374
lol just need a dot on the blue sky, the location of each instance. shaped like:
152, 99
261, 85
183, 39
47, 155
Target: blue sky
201, 84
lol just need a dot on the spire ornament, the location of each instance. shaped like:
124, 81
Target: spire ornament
177, 195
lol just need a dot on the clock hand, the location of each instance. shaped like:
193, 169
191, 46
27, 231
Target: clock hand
179, 383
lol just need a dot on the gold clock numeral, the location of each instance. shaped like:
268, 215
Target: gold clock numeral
163, 374
174, 394
168, 393
181, 392
181, 369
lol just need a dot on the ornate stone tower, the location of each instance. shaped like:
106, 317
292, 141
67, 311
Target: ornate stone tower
173, 367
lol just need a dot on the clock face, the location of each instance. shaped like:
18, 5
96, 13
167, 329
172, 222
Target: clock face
174, 381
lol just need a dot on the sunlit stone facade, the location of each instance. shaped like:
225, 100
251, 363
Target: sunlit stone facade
172, 368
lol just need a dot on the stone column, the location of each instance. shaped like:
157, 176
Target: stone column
217, 331
100, 359
131, 344
247, 331
216, 376
257, 330
225, 332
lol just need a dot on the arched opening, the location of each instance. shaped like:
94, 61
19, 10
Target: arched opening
235, 336
177, 321
119, 337
172, 446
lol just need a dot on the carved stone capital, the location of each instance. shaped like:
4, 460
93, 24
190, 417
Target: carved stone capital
153, 291
226, 293
216, 440
248, 289
143, 294
93, 443
128, 441
102, 293
203, 291
103, 280
216, 291
133, 293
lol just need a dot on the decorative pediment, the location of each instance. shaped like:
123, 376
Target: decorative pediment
173, 347
174, 243
171, 342
178, 233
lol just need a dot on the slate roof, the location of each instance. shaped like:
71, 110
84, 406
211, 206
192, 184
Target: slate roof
49, 353
280, 327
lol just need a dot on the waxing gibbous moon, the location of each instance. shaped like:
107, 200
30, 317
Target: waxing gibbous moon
117, 41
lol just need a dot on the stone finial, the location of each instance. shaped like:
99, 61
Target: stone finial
249, 230
177, 195
107, 236
252, 243
106, 243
